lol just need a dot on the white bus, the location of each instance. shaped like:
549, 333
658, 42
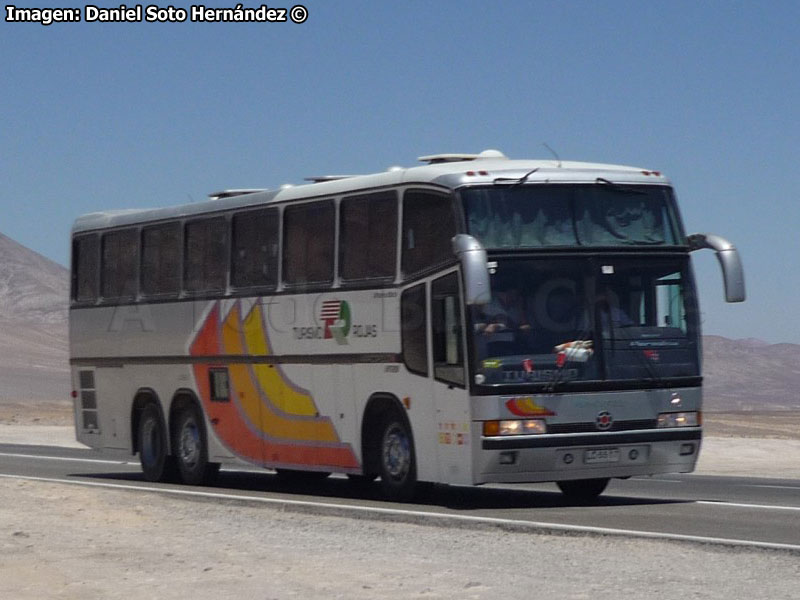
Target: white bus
473, 320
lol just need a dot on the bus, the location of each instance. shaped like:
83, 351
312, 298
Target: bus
472, 320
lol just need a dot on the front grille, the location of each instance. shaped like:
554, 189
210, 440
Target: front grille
592, 428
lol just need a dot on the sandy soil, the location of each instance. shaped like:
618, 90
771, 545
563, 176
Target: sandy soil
782, 425
68, 542
39, 413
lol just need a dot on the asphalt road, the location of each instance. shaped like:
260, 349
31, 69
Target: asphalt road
701, 508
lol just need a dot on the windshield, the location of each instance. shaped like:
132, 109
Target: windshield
601, 214
557, 320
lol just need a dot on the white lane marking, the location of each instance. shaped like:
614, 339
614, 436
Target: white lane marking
742, 505
542, 527
775, 487
66, 458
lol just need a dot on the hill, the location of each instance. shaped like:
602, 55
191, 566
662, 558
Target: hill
750, 375
33, 327
33, 288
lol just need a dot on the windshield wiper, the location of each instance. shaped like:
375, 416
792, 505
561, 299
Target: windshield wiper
513, 181
625, 189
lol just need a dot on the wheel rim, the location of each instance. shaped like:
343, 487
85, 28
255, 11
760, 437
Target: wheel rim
189, 445
396, 453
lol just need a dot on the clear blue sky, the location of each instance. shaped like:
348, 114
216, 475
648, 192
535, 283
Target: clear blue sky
99, 116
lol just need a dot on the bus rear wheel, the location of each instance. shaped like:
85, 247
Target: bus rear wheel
398, 468
191, 448
582, 490
157, 464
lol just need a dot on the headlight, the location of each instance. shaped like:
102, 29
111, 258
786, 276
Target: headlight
514, 427
679, 419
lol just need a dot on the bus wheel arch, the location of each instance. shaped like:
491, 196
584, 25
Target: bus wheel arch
189, 439
387, 443
378, 405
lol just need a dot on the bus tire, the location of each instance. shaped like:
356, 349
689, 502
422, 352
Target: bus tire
397, 462
582, 490
191, 447
157, 464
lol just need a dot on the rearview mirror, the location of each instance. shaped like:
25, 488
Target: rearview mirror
729, 261
472, 256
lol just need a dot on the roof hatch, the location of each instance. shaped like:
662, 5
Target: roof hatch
435, 159
232, 193
324, 178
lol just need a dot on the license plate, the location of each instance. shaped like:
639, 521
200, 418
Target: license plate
602, 455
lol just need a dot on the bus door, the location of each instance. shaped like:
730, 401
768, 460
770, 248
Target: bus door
450, 395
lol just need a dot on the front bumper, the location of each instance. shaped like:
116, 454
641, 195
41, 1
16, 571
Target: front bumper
560, 457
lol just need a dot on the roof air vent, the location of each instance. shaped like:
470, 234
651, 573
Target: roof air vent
491, 153
324, 178
436, 159
232, 193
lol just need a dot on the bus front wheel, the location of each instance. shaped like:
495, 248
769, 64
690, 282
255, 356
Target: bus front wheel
191, 448
398, 469
582, 490
157, 464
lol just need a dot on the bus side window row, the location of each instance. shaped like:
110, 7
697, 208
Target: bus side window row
163, 259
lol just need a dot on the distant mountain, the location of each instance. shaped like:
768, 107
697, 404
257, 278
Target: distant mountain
32, 288
34, 293
750, 374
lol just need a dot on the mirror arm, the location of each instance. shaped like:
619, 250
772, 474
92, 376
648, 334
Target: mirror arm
729, 261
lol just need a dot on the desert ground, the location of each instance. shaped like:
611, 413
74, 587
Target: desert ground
71, 542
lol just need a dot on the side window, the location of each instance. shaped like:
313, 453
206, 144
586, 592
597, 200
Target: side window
414, 323
205, 255
161, 255
429, 225
308, 240
670, 305
254, 249
118, 267
85, 258
368, 238
448, 347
